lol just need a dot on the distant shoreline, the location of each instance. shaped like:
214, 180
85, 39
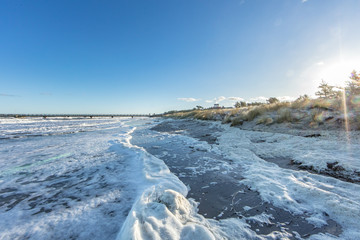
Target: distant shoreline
75, 115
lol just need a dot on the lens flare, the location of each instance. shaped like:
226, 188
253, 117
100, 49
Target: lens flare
346, 116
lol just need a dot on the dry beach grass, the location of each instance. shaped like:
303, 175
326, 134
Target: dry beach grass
306, 113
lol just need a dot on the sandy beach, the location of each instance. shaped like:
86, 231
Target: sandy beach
214, 181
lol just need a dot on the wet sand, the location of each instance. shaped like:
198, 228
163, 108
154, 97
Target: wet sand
214, 182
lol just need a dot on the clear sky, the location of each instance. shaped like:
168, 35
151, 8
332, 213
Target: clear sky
152, 56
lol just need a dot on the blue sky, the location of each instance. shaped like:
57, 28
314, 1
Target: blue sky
153, 56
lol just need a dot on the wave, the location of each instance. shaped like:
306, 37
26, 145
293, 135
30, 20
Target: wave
162, 211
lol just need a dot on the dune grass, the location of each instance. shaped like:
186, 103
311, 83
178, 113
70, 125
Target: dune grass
267, 120
313, 112
285, 115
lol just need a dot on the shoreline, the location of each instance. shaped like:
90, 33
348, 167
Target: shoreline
218, 188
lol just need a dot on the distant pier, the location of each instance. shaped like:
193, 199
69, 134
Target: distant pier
77, 115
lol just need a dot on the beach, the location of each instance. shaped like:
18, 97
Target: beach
214, 181
155, 178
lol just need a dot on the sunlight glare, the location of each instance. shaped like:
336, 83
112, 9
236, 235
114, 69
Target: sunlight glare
336, 73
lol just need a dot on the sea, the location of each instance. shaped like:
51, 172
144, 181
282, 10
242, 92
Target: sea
67, 178
82, 178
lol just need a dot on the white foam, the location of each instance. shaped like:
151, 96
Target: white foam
79, 185
297, 191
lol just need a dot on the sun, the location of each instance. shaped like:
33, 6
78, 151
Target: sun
336, 73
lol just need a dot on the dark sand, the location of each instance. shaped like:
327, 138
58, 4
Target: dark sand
218, 191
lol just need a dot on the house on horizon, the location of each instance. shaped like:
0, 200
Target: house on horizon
216, 105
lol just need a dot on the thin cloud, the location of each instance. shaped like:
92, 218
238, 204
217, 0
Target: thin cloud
238, 99
7, 95
258, 99
216, 100
286, 98
219, 99
263, 99
188, 99
320, 63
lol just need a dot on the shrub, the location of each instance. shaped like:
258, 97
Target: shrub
267, 120
272, 100
227, 119
253, 113
357, 123
321, 103
284, 115
301, 103
317, 116
236, 121
276, 106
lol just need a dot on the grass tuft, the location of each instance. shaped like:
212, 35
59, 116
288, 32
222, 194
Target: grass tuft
237, 121
267, 120
285, 115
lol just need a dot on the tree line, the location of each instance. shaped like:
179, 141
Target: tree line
351, 89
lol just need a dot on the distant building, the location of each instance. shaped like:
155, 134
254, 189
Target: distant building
216, 105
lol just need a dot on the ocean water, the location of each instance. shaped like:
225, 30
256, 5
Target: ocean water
86, 179
67, 178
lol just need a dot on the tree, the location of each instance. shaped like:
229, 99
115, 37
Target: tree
243, 104
272, 100
199, 107
255, 104
303, 98
237, 105
353, 86
326, 91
